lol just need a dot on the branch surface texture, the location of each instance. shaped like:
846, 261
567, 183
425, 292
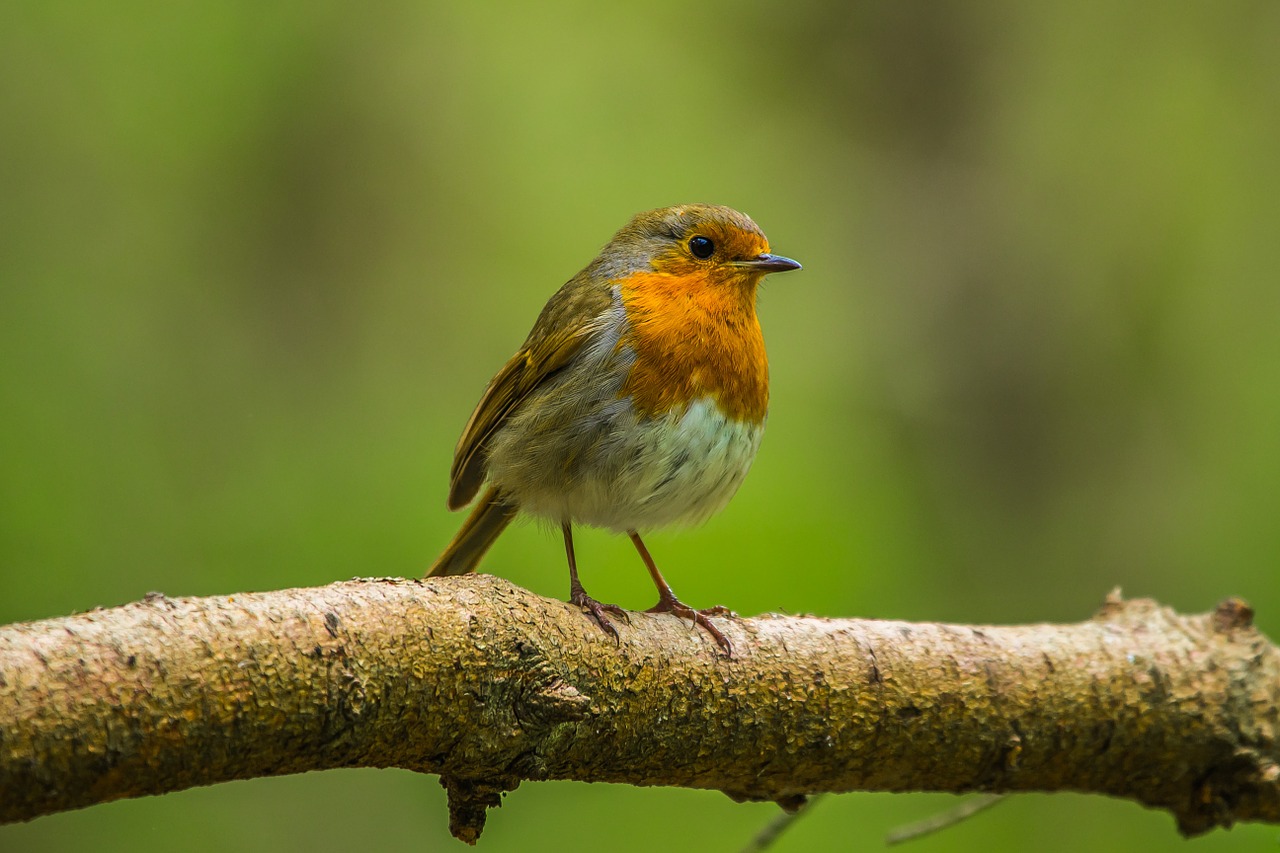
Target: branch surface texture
487, 685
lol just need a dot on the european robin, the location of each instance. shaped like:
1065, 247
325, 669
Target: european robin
637, 401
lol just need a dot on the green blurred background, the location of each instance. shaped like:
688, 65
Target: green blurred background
257, 263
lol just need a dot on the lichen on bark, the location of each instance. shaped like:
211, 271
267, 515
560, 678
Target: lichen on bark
487, 684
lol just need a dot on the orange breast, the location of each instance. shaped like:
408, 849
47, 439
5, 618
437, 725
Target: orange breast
695, 337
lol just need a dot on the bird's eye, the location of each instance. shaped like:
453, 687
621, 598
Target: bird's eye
701, 248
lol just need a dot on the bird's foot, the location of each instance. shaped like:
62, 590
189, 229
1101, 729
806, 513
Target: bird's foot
597, 611
671, 604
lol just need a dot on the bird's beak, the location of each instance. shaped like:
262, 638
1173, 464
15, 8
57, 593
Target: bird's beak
768, 263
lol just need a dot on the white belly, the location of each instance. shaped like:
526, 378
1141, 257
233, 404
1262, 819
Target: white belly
632, 474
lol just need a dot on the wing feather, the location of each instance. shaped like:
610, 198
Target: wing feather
566, 323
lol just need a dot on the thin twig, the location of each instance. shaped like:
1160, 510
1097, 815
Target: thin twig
943, 820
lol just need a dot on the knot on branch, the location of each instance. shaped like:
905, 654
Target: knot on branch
1116, 608
1232, 613
1246, 779
554, 702
546, 699
789, 803
470, 800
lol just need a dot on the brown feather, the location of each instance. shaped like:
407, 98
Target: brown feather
490, 517
562, 328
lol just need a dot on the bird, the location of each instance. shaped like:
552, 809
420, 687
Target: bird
637, 401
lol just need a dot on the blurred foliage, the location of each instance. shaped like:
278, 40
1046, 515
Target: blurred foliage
258, 261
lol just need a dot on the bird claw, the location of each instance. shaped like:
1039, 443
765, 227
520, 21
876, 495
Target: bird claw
596, 611
698, 617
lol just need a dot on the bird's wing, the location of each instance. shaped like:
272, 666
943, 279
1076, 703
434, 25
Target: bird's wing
563, 327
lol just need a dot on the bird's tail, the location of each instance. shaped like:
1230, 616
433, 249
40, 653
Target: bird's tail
490, 517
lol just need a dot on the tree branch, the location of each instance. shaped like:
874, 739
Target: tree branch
488, 685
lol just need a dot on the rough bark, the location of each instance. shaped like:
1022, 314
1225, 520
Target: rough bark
487, 685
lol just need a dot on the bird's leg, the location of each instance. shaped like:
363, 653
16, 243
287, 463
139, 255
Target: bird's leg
668, 603
578, 595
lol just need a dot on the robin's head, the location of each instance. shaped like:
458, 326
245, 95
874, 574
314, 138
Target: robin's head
687, 277
706, 241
